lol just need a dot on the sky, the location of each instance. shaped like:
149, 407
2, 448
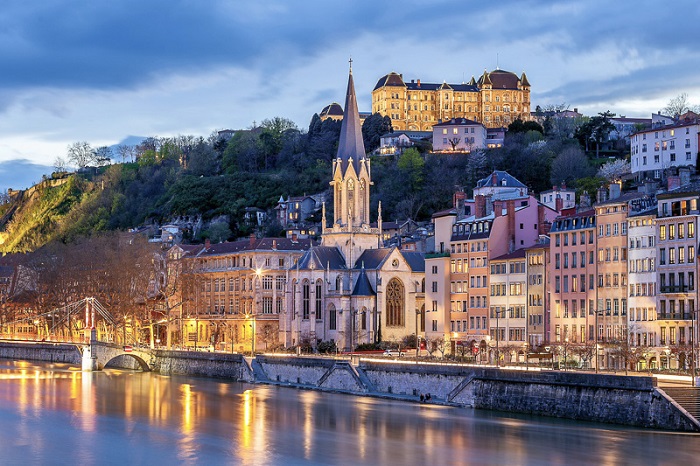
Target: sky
106, 71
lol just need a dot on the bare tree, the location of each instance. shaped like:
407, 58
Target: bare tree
126, 153
59, 164
81, 154
454, 142
103, 155
679, 105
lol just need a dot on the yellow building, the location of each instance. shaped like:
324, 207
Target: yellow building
497, 99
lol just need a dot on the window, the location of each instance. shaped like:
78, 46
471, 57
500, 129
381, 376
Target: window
395, 304
319, 297
305, 300
332, 318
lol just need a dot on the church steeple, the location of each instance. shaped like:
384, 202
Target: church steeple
350, 146
351, 230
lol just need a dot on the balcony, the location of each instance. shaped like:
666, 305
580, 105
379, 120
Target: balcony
675, 289
674, 316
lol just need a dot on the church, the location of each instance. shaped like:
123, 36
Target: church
351, 290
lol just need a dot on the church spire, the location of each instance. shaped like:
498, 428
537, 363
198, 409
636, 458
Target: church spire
351, 145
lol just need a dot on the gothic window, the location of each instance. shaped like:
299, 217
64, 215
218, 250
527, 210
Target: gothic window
363, 319
338, 283
332, 318
319, 296
395, 303
305, 300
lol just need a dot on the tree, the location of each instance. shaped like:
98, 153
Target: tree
596, 130
519, 126
412, 164
373, 128
126, 152
59, 164
81, 154
614, 170
103, 155
569, 165
679, 105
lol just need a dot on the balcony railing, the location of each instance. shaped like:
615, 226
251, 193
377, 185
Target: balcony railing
675, 288
674, 316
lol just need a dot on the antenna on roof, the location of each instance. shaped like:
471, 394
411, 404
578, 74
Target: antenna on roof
497, 61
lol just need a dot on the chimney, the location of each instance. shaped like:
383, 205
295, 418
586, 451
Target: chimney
274, 244
294, 237
602, 195
510, 208
419, 83
614, 190
479, 206
458, 199
252, 239
494, 179
207, 243
575, 109
540, 220
497, 208
558, 204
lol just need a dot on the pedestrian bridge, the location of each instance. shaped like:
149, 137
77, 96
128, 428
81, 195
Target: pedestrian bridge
98, 354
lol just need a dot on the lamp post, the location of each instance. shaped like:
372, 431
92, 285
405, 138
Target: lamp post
692, 349
566, 345
595, 330
498, 336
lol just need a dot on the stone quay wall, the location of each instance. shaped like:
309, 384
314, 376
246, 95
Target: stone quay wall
634, 401
46, 352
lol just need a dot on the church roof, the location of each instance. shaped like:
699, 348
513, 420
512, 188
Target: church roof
322, 257
351, 144
333, 109
372, 258
415, 260
362, 286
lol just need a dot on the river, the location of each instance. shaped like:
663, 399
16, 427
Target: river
55, 414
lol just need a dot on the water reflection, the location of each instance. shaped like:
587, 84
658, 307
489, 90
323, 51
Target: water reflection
51, 413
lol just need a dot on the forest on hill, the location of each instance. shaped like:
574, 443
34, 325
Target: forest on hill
213, 177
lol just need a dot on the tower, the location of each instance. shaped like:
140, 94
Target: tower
351, 231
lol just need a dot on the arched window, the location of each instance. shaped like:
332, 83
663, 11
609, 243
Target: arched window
338, 282
319, 297
363, 318
332, 318
422, 318
294, 297
395, 303
305, 300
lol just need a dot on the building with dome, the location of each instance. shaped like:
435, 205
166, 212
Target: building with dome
350, 290
496, 99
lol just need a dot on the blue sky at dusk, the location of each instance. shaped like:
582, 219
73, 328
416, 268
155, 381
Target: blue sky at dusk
102, 71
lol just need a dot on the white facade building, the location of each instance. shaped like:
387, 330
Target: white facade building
654, 151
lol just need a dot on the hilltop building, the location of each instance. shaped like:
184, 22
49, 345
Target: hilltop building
496, 99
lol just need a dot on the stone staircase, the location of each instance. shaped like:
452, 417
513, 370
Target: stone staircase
687, 397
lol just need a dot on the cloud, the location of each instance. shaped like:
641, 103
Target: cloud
21, 174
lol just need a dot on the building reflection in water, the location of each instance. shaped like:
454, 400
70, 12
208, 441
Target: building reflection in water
203, 421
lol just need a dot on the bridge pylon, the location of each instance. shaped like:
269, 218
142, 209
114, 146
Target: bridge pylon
90, 353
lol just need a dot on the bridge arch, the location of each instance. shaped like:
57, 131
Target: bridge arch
105, 353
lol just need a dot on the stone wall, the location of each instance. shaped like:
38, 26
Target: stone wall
633, 401
48, 352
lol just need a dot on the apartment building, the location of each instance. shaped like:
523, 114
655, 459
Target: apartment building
508, 305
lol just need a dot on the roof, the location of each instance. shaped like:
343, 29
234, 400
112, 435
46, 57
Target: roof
362, 286
517, 254
372, 258
577, 221
501, 79
510, 181
415, 260
623, 198
391, 79
351, 145
459, 122
444, 213
265, 244
6, 271
322, 257
332, 109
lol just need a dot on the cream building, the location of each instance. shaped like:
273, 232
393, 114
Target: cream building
497, 99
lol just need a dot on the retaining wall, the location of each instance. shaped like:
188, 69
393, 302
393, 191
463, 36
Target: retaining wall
633, 401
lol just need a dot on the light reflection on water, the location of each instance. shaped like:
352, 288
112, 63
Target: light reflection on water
54, 414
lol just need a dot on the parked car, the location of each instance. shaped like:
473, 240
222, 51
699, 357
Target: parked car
394, 353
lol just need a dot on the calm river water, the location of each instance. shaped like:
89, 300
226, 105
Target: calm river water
55, 414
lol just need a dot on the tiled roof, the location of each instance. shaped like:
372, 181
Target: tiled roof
372, 258
322, 257
362, 286
391, 79
501, 79
262, 244
511, 181
415, 260
517, 254
332, 109
458, 122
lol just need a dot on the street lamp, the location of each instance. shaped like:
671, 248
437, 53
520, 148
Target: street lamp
252, 326
498, 336
566, 345
417, 335
597, 355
